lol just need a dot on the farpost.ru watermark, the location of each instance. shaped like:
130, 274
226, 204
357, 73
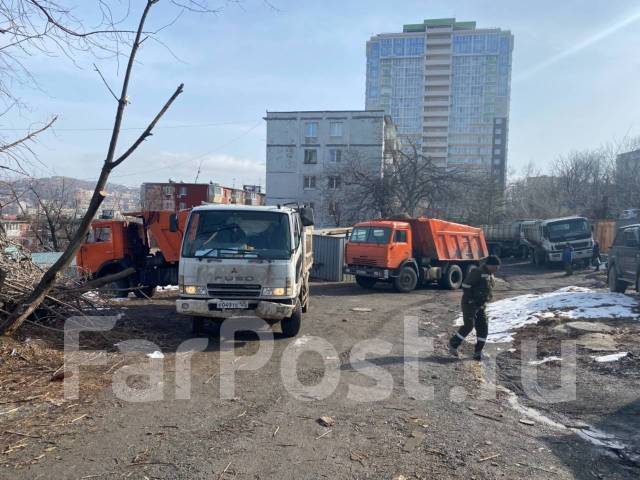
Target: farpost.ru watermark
415, 348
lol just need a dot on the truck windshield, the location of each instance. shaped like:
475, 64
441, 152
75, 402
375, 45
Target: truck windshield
233, 234
378, 235
573, 229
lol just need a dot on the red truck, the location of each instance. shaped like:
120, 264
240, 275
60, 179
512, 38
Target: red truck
410, 252
148, 242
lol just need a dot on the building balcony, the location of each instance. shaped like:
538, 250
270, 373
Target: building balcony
439, 64
435, 122
439, 113
440, 142
433, 102
438, 83
433, 40
438, 49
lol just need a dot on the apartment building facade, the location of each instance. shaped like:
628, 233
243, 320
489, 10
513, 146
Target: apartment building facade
446, 85
307, 149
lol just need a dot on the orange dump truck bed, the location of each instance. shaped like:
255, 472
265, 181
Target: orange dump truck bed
447, 241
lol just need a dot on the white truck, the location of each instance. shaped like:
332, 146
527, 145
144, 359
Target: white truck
246, 261
547, 238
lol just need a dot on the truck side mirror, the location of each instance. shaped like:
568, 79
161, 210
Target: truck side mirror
173, 222
306, 216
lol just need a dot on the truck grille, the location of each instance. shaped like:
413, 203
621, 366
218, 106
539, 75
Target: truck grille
581, 245
367, 262
235, 290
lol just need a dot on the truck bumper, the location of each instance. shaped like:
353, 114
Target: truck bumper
373, 272
583, 254
208, 308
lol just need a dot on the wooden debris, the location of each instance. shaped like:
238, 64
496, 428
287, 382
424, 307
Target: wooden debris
326, 421
325, 433
490, 457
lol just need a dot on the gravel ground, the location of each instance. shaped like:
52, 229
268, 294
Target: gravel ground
465, 428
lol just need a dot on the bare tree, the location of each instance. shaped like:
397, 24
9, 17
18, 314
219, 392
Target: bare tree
27, 306
406, 182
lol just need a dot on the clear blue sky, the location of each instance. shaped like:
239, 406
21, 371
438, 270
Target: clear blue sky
576, 71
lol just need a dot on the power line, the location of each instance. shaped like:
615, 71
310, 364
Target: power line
186, 125
198, 157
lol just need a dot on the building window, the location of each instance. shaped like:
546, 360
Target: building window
497, 151
498, 131
336, 129
334, 182
309, 182
498, 121
310, 156
183, 191
498, 141
311, 130
335, 155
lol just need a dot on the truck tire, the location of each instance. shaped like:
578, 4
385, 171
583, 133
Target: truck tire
615, 285
365, 282
452, 278
291, 326
119, 286
407, 281
144, 292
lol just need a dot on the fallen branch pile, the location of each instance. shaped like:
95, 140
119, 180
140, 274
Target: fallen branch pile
19, 275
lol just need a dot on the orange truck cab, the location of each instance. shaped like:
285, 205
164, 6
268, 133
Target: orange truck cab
410, 252
147, 241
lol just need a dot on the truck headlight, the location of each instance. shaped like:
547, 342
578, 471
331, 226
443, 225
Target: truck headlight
274, 292
194, 290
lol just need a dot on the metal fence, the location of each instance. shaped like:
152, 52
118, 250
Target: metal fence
328, 257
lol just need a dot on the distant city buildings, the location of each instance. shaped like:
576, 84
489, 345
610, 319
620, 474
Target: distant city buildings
446, 84
176, 196
307, 149
628, 163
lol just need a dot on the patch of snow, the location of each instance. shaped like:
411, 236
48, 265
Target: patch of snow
168, 288
614, 357
546, 360
569, 302
155, 355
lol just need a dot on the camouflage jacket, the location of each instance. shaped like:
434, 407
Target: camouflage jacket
478, 287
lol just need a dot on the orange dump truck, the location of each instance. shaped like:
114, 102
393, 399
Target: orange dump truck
148, 242
410, 252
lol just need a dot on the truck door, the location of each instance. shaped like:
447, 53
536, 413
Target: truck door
98, 248
400, 248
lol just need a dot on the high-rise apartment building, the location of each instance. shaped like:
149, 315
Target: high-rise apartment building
446, 85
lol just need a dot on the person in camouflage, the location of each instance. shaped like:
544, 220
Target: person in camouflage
477, 292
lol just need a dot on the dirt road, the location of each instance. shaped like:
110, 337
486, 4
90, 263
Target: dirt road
270, 431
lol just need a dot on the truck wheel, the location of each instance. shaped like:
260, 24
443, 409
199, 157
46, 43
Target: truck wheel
452, 278
145, 292
616, 285
407, 281
365, 282
119, 287
291, 326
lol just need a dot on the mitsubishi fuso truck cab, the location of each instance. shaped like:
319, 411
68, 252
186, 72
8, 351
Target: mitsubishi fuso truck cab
241, 260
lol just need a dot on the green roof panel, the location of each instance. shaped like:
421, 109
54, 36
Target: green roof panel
413, 27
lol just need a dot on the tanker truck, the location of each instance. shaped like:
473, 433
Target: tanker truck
507, 239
